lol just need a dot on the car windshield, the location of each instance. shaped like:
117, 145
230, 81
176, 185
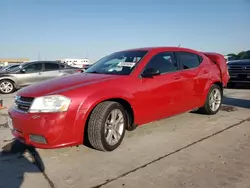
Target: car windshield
15, 68
11, 67
119, 63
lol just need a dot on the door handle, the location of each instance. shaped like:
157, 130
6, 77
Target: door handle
177, 77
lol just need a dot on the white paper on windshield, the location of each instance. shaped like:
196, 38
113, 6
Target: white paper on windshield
126, 64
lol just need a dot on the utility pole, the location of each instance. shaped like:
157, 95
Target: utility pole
38, 56
86, 53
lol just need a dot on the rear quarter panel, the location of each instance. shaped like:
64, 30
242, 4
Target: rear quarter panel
213, 77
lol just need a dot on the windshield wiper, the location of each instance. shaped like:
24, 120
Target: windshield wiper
94, 72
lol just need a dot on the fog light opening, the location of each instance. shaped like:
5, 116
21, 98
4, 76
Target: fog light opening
37, 138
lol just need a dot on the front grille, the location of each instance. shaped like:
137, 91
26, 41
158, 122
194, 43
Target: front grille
234, 70
239, 67
23, 103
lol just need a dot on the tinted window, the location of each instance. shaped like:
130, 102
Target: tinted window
33, 68
164, 62
189, 60
51, 66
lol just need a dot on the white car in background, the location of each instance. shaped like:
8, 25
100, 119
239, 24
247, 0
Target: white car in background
79, 63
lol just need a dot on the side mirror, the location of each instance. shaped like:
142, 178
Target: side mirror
22, 71
150, 72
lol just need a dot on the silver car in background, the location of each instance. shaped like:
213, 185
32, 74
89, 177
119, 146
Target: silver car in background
32, 72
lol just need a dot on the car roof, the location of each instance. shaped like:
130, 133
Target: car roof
162, 48
31, 62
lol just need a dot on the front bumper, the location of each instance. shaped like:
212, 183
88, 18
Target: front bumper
57, 129
239, 76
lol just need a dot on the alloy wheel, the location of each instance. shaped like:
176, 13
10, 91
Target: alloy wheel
114, 127
6, 87
215, 99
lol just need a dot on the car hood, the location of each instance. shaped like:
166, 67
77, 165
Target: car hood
240, 63
8, 72
65, 83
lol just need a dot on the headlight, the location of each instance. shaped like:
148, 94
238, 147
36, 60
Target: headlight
52, 103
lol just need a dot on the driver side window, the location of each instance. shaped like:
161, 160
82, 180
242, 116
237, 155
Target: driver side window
164, 62
33, 68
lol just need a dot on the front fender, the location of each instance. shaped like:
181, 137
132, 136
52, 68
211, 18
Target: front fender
89, 103
13, 79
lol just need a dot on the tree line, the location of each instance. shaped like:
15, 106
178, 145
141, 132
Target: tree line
240, 55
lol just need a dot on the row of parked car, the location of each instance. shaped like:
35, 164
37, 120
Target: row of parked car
15, 76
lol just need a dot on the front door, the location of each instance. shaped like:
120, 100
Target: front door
160, 96
31, 74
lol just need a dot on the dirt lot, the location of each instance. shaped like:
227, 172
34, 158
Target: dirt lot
188, 151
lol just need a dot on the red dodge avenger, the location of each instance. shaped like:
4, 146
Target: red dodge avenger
119, 92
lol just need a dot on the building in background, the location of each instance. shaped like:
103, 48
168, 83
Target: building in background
6, 61
80, 63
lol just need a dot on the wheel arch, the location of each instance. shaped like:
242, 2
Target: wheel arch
9, 79
126, 105
124, 102
220, 84
12, 79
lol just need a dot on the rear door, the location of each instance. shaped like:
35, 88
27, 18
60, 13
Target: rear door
51, 70
196, 75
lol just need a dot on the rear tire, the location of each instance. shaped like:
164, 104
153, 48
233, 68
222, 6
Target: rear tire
106, 126
7, 86
213, 101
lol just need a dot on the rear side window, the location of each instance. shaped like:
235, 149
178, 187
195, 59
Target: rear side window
189, 60
51, 66
164, 62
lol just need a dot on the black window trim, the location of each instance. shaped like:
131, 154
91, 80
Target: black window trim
200, 58
175, 57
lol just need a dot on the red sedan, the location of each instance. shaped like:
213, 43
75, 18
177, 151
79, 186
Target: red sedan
121, 91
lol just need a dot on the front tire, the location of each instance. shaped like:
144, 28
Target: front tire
213, 101
106, 126
7, 87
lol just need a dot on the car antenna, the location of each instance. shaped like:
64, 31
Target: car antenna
179, 45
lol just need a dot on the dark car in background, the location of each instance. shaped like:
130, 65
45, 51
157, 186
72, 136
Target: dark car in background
239, 71
33, 72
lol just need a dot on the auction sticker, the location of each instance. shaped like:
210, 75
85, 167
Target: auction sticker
126, 64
